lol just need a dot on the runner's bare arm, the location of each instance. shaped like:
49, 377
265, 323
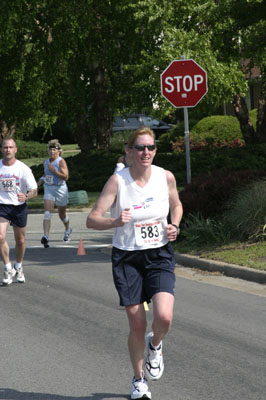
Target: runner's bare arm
176, 209
63, 173
96, 218
30, 195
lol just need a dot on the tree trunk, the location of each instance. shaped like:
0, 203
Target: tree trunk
261, 118
83, 135
242, 115
102, 114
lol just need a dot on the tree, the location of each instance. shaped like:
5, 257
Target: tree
240, 35
70, 59
87, 60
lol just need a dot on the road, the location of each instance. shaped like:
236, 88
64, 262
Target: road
64, 336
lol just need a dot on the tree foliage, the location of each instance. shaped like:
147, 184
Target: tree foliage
239, 31
87, 60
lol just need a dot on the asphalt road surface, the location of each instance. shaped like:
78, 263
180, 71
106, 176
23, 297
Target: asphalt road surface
64, 336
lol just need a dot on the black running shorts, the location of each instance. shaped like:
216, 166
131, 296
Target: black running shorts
17, 215
140, 274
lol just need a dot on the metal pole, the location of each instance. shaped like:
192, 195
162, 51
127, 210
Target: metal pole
187, 139
187, 145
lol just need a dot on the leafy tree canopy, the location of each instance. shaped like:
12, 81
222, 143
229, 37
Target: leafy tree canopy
88, 60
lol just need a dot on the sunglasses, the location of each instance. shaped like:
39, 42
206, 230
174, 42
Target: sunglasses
54, 147
142, 147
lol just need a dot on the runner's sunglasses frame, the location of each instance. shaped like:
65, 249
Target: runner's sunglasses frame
142, 147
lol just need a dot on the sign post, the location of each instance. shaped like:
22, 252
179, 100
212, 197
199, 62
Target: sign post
184, 84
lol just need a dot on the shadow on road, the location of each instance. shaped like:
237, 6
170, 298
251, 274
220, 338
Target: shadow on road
10, 394
61, 256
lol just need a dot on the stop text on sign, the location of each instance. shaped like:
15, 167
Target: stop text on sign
185, 83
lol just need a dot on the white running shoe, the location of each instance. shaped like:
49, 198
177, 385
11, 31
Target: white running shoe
154, 365
8, 276
20, 275
45, 241
67, 235
139, 389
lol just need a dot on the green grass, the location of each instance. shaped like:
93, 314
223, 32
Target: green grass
37, 202
69, 150
252, 255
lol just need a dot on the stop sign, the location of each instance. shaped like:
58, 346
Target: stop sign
184, 83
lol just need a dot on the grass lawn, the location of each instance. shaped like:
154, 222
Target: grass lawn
37, 202
252, 255
69, 150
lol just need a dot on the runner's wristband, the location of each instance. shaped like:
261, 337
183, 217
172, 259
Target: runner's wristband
177, 228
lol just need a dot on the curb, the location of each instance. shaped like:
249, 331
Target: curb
232, 270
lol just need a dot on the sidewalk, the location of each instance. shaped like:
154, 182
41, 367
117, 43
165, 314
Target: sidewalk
232, 270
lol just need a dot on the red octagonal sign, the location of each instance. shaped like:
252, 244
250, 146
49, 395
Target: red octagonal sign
184, 83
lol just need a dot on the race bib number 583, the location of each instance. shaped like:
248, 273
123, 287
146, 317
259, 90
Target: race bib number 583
148, 232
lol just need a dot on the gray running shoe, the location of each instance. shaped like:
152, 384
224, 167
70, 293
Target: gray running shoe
67, 235
45, 241
8, 276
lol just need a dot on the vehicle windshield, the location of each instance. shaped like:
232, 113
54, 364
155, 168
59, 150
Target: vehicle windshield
131, 122
148, 121
118, 121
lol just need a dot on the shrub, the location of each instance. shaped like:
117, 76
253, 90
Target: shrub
90, 171
218, 128
198, 230
245, 217
205, 144
118, 141
179, 129
30, 149
209, 193
166, 139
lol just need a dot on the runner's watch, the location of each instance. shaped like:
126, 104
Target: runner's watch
177, 228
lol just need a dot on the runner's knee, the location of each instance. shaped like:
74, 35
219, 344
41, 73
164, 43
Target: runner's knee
47, 215
2, 238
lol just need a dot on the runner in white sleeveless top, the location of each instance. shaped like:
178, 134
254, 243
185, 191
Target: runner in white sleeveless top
143, 263
55, 191
123, 161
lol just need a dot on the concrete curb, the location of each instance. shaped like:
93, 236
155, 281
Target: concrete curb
232, 270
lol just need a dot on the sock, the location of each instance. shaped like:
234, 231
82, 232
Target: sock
155, 347
17, 265
8, 266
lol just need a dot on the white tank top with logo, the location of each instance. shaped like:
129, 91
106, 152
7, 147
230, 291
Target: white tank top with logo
149, 207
